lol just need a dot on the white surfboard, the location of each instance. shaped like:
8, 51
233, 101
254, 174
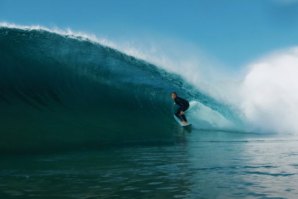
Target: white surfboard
181, 124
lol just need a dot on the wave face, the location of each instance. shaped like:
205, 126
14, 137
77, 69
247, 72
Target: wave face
61, 91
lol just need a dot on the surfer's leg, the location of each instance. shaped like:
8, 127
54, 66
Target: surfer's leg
178, 115
183, 118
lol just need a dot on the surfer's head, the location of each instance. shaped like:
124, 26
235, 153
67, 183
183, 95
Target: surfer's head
173, 95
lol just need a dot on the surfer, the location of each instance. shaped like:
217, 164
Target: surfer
183, 106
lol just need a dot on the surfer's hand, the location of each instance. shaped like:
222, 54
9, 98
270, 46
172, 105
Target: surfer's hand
181, 112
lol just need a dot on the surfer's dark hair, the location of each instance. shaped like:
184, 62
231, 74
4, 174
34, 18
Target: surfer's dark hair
174, 93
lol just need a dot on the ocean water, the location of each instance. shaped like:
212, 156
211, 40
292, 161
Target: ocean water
200, 164
79, 119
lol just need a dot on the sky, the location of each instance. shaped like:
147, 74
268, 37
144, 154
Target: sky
232, 31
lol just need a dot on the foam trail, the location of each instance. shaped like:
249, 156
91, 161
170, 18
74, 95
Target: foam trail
207, 118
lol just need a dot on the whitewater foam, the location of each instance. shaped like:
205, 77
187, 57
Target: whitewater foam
269, 92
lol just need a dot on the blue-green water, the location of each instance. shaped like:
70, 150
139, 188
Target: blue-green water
82, 120
201, 164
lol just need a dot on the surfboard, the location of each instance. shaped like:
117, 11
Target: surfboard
181, 124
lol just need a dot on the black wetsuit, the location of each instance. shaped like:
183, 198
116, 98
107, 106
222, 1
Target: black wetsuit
183, 106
